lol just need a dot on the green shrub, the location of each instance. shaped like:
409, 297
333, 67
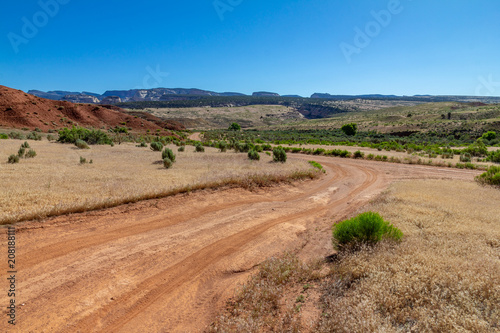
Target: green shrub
319, 151
4, 136
268, 153
34, 136
253, 155
91, 137
317, 166
478, 148
142, 144
234, 127
358, 154
25, 145
279, 155
350, 129
168, 153
167, 163
83, 160
366, 228
13, 159
465, 157
370, 156
81, 144
21, 152
156, 146
490, 135
494, 156
490, 177
199, 148
50, 137
222, 145
30, 154
267, 147
181, 148
16, 136
38, 130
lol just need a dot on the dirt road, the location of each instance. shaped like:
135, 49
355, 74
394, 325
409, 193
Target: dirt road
167, 265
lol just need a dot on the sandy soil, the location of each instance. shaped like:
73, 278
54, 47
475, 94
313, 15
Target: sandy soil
168, 265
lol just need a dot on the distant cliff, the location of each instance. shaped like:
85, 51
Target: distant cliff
265, 94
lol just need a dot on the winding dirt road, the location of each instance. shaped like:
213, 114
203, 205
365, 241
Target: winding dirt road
168, 265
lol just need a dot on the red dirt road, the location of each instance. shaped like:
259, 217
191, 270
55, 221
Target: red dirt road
167, 265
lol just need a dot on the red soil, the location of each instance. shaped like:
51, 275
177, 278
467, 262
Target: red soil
19, 110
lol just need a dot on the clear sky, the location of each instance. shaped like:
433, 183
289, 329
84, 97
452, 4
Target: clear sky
404, 47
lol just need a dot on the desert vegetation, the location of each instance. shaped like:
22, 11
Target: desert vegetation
442, 276
121, 174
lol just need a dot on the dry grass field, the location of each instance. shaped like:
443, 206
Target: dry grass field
54, 182
212, 118
443, 277
421, 118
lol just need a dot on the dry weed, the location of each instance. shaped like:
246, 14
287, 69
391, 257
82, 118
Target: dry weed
55, 183
444, 277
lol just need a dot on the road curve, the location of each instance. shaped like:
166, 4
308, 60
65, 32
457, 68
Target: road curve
167, 265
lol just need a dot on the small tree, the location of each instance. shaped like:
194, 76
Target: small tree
279, 155
234, 127
490, 135
350, 129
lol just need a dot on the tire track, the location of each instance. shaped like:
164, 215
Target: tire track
65, 247
194, 265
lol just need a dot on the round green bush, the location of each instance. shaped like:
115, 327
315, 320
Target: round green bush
156, 146
21, 152
234, 127
366, 228
13, 159
253, 155
181, 148
167, 163
358, 154
350, 129
279, 155
199, 148
168, 153
30, 154
81, 144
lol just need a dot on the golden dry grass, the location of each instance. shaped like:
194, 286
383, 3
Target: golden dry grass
54, 182
443, 277
212, 118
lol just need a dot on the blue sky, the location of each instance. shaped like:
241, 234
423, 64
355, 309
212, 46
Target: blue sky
289, 47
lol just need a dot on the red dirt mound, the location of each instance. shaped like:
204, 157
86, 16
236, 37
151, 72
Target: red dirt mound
18, 110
